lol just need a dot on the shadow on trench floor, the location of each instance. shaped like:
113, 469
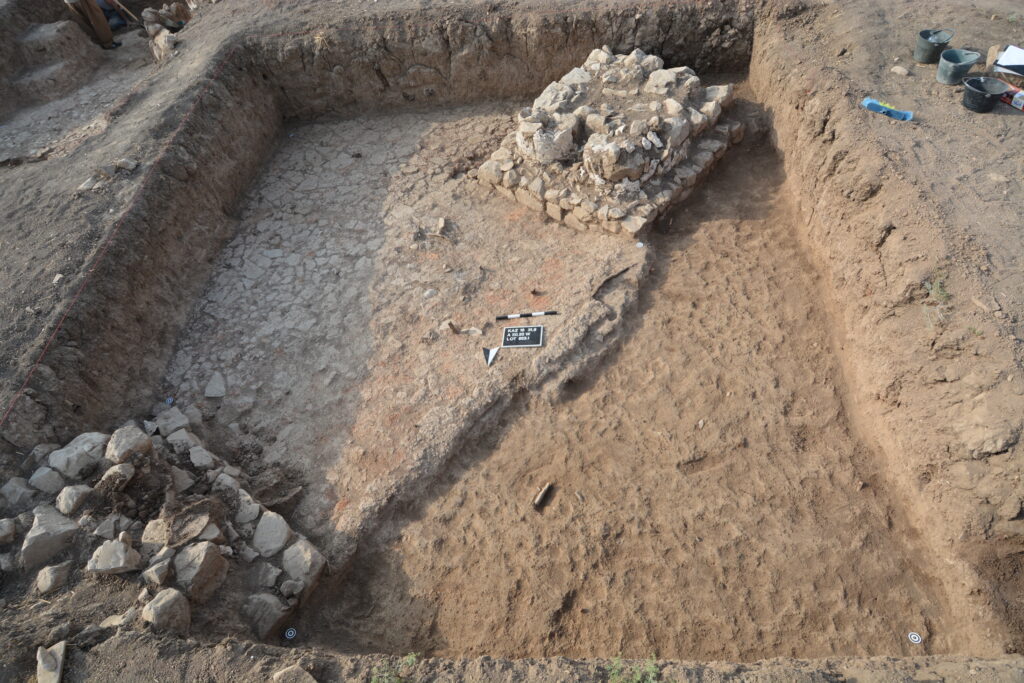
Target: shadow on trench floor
710, 501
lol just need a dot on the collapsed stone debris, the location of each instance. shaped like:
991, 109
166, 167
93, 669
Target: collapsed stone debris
161, 25
614, 143
152, 506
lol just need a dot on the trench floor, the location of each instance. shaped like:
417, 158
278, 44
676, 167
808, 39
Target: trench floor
710, 501
327, 312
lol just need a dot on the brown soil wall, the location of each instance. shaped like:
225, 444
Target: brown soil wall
17, 17
218, 133
876, 240
112, 348
114, 345
476, 56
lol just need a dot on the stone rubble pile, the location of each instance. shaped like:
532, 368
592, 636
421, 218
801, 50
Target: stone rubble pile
104, 176
151, 505
161, 25
614, 143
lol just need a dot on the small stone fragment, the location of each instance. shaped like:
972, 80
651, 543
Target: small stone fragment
7, 562
272, 533
216, 387
304, 563
41, 453
116, 478
50, 534
200, 569
118, 620
211, 533
201, 458
114, 557
126, 164
168, 611
291, 588
248, 509
194, 415
293, 674
53, 577
181, 479
165, 553
71, 498
225, 482
265, 613
7, 530
267, 574
17, 493
186, 526
182, 441
900, 70
80, 456
50, 663
127, 441
107, 528
723, 94
157, 574
46, 480
87, 184
170, 421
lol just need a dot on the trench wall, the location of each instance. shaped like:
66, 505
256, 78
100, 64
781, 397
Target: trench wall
17, 18
874, 237
473, 57
111, 351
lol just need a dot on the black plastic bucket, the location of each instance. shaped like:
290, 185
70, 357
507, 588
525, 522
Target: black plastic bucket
930, 44
981, 93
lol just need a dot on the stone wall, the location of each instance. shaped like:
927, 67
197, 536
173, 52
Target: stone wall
614, 143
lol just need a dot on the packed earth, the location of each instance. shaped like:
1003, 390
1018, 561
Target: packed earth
438, 340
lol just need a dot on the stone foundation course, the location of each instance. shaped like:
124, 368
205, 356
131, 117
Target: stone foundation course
614, 143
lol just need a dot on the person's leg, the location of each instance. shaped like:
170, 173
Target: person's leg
93, 15
112, 13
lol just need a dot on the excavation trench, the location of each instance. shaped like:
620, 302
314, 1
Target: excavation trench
710, 501
712, 497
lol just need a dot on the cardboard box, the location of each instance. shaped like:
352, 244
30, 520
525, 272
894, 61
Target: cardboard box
993, 56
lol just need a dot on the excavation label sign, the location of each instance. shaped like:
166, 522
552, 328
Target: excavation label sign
528, 335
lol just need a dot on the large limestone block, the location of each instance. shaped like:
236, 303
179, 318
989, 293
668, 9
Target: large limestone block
168, 611
50, 534
80, 456
200, 569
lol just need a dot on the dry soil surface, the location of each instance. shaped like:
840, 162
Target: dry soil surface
773, 460
706, 482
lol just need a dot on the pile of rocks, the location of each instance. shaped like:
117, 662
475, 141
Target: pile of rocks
105, 175
614, 143
161, 25
151, 505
